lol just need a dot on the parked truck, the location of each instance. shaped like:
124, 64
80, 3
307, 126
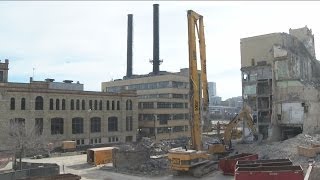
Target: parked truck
68, 146
97, 156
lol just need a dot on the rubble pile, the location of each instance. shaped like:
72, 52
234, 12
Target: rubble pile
152, 167
282, 149
156, 164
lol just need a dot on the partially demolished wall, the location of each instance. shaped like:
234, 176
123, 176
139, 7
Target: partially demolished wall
293, 100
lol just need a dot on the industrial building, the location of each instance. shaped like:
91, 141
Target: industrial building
163, 102
64, 111
280, 82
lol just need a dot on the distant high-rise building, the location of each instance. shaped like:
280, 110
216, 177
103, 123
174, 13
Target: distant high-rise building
216, 100
211, 91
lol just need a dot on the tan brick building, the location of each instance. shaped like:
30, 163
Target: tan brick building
163, 102
64, 111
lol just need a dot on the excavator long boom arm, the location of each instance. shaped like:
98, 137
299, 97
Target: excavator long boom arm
246, 115
197, 89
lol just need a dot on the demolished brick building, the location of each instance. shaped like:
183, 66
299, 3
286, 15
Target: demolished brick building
280, 82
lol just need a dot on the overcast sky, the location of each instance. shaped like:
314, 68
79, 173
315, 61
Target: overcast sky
86, 41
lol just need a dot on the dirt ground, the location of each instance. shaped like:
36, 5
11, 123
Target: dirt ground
77, 164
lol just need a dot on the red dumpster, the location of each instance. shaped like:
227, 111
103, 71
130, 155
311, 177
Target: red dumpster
227, 164
264, 162
269, 173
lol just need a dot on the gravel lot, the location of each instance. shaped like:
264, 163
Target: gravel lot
77, 164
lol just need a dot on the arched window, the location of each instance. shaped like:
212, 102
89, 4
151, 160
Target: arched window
63, 104
12, 104
108, 105
57, 104
129, 105
23, 103
72, 104
78, 104
100, 105
51, 104
112, 124
112, 105
83, 105
95, 105
39, 103
77, 125
118, 105
90, 104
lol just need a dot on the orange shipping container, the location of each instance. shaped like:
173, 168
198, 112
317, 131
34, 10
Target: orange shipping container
68, 145
307, 151
98, 156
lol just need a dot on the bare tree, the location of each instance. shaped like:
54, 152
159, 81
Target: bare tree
22, 140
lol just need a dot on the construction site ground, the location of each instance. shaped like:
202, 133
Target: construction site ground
136, 168
77, 164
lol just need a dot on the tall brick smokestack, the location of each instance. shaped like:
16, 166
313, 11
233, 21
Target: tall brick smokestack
129, 45
156, 60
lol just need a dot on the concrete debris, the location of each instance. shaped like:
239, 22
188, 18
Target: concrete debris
152, 167
130, 160
315, 173
283, 149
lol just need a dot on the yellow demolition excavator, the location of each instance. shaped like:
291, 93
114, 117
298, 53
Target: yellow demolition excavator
225, 146
195, 161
